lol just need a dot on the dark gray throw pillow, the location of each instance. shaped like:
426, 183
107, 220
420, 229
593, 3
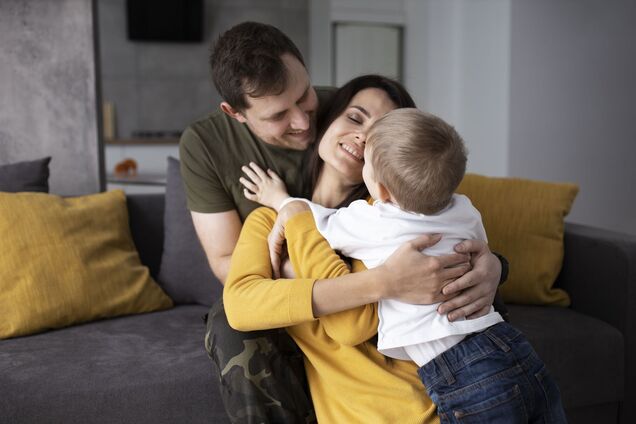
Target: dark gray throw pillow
25, 176
184, 273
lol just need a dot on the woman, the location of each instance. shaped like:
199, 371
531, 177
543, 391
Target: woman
349, 380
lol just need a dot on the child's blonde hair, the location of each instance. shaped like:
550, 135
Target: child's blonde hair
418, 157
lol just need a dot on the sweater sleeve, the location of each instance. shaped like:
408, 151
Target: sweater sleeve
312, 257
252, 299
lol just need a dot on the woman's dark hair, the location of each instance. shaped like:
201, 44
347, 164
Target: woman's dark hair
334, 107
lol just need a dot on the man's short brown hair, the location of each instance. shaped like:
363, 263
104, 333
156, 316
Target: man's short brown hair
246, 61
418, 157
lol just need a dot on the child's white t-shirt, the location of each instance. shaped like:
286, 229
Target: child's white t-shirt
371, 233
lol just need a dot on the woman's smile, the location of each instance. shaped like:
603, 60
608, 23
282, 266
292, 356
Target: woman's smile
342, 145
355, 151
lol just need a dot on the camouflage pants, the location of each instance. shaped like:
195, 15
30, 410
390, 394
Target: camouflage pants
262, 374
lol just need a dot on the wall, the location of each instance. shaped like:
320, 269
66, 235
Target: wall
165, 86
456, 60
320, 42
539, 89
48, 85
572, 110
457, 66
323, 13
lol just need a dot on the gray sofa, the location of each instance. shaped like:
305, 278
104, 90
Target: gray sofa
146, 368
153, 367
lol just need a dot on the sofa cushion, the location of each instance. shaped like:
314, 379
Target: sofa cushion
149, 368
69, 260
25, 176
581, 352
524, 220
184, 272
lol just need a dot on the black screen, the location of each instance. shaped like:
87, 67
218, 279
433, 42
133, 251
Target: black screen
165, 20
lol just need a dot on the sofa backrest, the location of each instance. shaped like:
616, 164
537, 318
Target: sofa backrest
159, 221
145, 212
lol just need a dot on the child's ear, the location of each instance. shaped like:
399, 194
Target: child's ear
384, 193
232, 113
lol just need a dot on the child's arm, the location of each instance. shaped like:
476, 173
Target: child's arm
262, 187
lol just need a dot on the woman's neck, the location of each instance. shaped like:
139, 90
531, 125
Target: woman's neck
330, 189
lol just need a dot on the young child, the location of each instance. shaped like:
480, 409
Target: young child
483, 367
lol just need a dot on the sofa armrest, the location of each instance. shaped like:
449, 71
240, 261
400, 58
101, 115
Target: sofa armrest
599, 273
145, 213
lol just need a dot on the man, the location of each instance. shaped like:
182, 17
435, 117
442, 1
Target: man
268, 117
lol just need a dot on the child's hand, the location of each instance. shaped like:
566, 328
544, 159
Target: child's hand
262, 187
276, 238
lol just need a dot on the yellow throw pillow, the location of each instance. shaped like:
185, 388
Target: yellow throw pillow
524, 222
69, 260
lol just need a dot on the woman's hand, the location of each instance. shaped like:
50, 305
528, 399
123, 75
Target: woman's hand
262, 187
413, 277
276, 238
475, 291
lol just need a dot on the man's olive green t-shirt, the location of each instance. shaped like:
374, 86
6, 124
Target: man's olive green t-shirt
212, 151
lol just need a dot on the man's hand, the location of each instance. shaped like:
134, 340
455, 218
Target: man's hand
413, 277
266, 188
475, 291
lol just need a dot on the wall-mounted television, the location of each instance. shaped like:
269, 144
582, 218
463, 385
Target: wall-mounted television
165, 20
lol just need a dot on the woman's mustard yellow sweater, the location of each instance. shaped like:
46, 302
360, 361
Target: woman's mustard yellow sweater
350, 381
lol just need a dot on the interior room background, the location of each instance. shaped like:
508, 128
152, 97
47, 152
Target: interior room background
49, 91
539, 89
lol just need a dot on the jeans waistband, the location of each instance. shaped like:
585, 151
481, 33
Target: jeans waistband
475, 346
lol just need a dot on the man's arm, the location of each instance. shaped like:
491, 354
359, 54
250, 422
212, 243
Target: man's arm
218, 234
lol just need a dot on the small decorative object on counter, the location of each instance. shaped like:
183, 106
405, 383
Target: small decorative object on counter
126, 168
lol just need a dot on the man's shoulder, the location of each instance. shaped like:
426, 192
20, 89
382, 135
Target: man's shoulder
324, 92
214, 130
215, 121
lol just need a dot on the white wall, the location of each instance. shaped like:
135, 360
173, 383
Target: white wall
541, 89
456, 63
323, 13
572, 113
457, 66
362, 48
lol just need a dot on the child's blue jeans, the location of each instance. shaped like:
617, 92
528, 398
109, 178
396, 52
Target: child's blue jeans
493, 376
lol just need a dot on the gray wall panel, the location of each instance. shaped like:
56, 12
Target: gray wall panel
48, 86
572, 113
